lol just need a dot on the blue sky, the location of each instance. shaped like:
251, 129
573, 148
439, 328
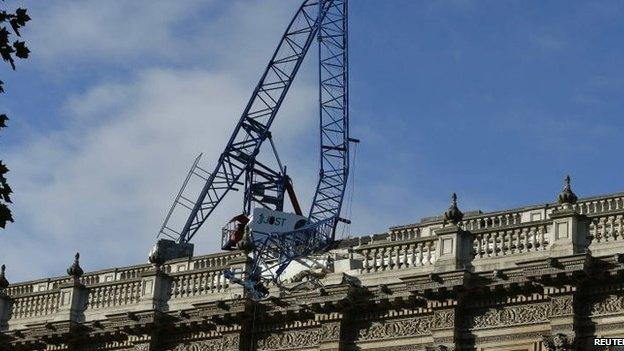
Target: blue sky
496, 100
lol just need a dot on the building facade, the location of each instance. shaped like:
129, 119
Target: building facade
548, 277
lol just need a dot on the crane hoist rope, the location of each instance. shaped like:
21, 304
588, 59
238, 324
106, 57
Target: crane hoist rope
271, 237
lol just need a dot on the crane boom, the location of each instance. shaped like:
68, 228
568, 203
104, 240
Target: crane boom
258, 115
334, 113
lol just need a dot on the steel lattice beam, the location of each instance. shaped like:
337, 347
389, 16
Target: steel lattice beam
253, 126
334, 113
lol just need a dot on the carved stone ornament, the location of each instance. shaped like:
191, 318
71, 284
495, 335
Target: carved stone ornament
557, 342
567, 196
443, 319
230, 342
610, 304
330, 331
440, 348
396, 328
524, 314
141, 347
561, 306
203, 345
75, 270
453, 214
290, 340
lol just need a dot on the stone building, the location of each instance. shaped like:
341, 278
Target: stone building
547, 277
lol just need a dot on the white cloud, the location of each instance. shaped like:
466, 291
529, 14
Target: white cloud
112, 30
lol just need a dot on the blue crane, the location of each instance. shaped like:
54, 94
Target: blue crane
271, 251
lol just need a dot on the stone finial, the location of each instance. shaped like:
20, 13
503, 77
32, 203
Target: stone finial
453, 214
566, 196
4, 283
74, 270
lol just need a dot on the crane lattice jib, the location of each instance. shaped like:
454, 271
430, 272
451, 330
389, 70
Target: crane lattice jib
274, 252
334, 113
253, 126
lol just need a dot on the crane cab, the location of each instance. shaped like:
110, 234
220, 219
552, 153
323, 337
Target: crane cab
263, 222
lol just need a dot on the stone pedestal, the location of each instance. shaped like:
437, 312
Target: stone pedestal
155, 288
569, 232
5, 310
72, 302
454, 248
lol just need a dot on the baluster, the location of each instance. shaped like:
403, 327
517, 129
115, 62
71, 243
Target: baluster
385, 260
397, 256
486, 244
389, 253
373, 260
413, 252
405, 264
377, 262
542, 238
29, 307
219, 281
366, 254
493, 243
479, 249
204, 282
419, 255
518, 244
210, 282
619, 225
428, 258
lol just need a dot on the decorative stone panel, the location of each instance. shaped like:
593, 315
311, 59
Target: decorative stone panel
289, 340
561, 305
513, 315
396, 328
610, 304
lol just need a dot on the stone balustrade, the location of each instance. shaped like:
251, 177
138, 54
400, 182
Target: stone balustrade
119, 289
114, 295
35, 305
197, 284
507, 234
503, 242
398, 255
